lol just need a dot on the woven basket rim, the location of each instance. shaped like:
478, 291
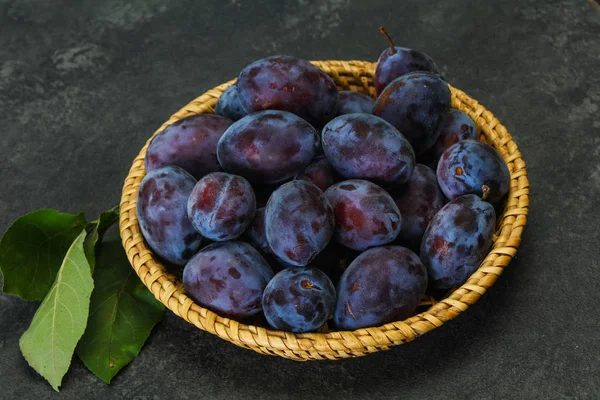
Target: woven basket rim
353, 75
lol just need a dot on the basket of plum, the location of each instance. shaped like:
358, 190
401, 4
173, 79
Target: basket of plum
325, 209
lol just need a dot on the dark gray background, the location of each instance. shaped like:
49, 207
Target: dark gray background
84, 83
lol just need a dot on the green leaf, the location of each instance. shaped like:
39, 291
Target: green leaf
49, 342
96, 230
32, 249
122, 314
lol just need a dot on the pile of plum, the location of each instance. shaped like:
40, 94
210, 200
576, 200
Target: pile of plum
319, 205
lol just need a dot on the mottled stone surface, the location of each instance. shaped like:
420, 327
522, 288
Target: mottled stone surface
84, 84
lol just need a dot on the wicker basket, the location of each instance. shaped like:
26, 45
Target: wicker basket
357, 76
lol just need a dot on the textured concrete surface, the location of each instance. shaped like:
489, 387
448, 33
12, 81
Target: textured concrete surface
84, 83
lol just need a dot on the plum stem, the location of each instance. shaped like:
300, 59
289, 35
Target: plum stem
486, 191
389, 38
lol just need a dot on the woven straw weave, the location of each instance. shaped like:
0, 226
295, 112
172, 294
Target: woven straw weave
357, 76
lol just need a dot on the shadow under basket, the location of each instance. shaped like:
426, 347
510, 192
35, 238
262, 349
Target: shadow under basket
356, 76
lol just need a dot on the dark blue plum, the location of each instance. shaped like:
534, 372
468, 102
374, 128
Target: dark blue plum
288, 84
397, 61
458, 126
256, 234
416, 104
382, 285
299, 222
365, 214
457, 240
268, 146
190, 143
161, 211
467, 166
229, 104
320, 172
228, 278
299, 300
221, 206
365, 146
418, 201
351, 102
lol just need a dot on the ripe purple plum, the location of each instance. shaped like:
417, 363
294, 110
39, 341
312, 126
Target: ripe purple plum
397, 61
190, 143
418, 201
468, 166
228, 278
458, 126
351, 102
320, 172
365, 214
382, 285
221, 206
229, 104
299, 300
288, 84
299, 222
367, 147
268, 146
457, 240
161, 211
416, 104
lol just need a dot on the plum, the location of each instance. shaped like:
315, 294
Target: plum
299, 222
221, 206
228, 278
299, 300
162, 214
457, 240
382, 285
365, 214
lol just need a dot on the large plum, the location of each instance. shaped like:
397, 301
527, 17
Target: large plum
221, 206
382, 285
229, 104
365, 214
354, 102
161, 211
397, 61
457, 240
320, 172
268, 146
299, 222
299, 299
288, 84
365, 146
467, 166
190, 143
228, 278
418, 201
416, 104
458, 126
